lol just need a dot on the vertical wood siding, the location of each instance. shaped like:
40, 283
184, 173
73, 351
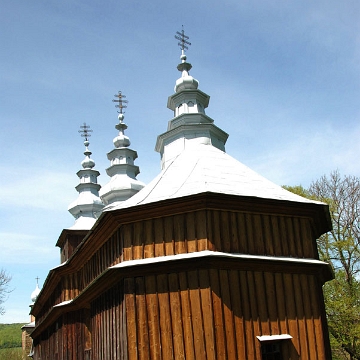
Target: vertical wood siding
217, 314
202, 314
108, 335
66, 339
226, 231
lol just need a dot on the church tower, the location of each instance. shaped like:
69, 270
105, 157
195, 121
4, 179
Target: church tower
122, 171
87, 207
190, 125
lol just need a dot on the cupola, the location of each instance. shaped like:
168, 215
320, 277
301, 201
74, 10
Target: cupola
88, 206
190, 125
36, 292
122, 171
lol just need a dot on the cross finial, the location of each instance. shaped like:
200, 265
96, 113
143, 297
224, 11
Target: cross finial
183, 39
121, 102
85, 131
37, 280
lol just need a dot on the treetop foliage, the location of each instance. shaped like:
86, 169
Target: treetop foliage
341, 248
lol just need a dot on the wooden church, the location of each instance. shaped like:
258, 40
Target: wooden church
208, 261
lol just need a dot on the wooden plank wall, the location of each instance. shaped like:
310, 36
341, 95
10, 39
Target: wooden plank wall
221, 323
204, 314
108, 337
54, 298
70, 244
226, 231
66, 339
217, 314
260, 234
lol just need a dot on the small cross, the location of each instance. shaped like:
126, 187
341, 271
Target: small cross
182, 39
37, 280
85, 131
121, 102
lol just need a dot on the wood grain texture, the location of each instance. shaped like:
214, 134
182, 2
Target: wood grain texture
189, 310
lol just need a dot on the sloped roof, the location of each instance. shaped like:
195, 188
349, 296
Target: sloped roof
208, 169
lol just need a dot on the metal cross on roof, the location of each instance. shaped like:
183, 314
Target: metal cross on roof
183, 39
37, 280
84, 131
121, 102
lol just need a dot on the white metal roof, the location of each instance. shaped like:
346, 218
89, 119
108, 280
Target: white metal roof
208, 169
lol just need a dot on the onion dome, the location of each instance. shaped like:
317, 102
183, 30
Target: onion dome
121, 140
88, 206
122, 171
35, 293
186, 81
87, 163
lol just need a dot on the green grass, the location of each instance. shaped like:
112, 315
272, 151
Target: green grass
11, 354
10, 336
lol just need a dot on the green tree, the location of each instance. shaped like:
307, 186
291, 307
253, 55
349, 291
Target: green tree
5, 279
341, 248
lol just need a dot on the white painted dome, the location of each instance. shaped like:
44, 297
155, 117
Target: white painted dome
35, 293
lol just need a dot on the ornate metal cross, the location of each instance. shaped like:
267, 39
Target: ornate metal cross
121, 102
85, 131
183, 39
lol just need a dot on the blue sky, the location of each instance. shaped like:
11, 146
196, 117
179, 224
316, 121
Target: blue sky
283, 76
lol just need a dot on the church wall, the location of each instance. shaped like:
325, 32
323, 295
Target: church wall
209, 310
70, 245
177, 234
217, 230
260, 234
108, 254
53, 299
210, 313
67, 339
217, 314
109, 338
